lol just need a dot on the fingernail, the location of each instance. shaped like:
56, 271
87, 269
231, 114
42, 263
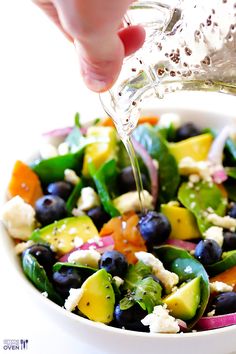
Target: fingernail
95, 84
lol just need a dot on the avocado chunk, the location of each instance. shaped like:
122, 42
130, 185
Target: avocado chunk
183, 303
61, 234
101, 151
183, 222
196, 147
98, 299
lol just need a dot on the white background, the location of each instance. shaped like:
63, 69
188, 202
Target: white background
40, 88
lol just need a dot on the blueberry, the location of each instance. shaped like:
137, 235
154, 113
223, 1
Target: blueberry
229, 241
208, 252
50, 208
126, 180
130, 318
43, 254
65, 279
224, 303
99, 216
186, 131
62, 189
114, 263
154, 227
232, 211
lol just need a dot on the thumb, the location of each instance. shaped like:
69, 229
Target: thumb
101, 59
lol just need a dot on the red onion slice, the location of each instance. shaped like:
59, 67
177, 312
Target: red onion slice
189, 246
101, 245
216, 151
182, 325
206, 323
61, 132
152, 169
219, 176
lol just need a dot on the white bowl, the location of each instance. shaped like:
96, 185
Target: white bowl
117, 341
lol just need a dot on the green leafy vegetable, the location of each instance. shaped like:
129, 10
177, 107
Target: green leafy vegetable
228, 261
135, 273
167, 133
102, 190
167, 254
230, 188
72, 200
141, 288
188, 269
168, 169
201, 198
77, 120
231, 172
109, 172
57, 266
147, 293
52, 169
38, 277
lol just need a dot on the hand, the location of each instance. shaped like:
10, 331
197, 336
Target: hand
95, 26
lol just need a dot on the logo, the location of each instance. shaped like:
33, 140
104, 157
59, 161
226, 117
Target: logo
15, 344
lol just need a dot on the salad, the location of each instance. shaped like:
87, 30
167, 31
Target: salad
85, 244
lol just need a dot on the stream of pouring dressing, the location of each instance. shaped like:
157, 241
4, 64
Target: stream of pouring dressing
125, 136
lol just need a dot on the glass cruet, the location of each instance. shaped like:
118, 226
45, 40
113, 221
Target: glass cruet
190, 45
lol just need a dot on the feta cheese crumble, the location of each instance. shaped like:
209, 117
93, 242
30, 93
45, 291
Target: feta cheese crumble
225, 222
18, 218
70, 176
88, 199
63, 148
85, 257
73, 299
118, 281
47, 151
168, 278
22, 246
159, 321
220, 287
167, 119
130, 201
215, 233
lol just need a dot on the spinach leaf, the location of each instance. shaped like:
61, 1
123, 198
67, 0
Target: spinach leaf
188, 269
77, 120
57, 266
230, 188
37, 275
167, 133
199, 199
72, 200
135, 273
168, 169
101, 185
231, 172
109, 172
123, 159
167, 254
228, 261
52, 169
147, 293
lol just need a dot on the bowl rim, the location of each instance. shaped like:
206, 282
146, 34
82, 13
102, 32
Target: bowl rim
6, 242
